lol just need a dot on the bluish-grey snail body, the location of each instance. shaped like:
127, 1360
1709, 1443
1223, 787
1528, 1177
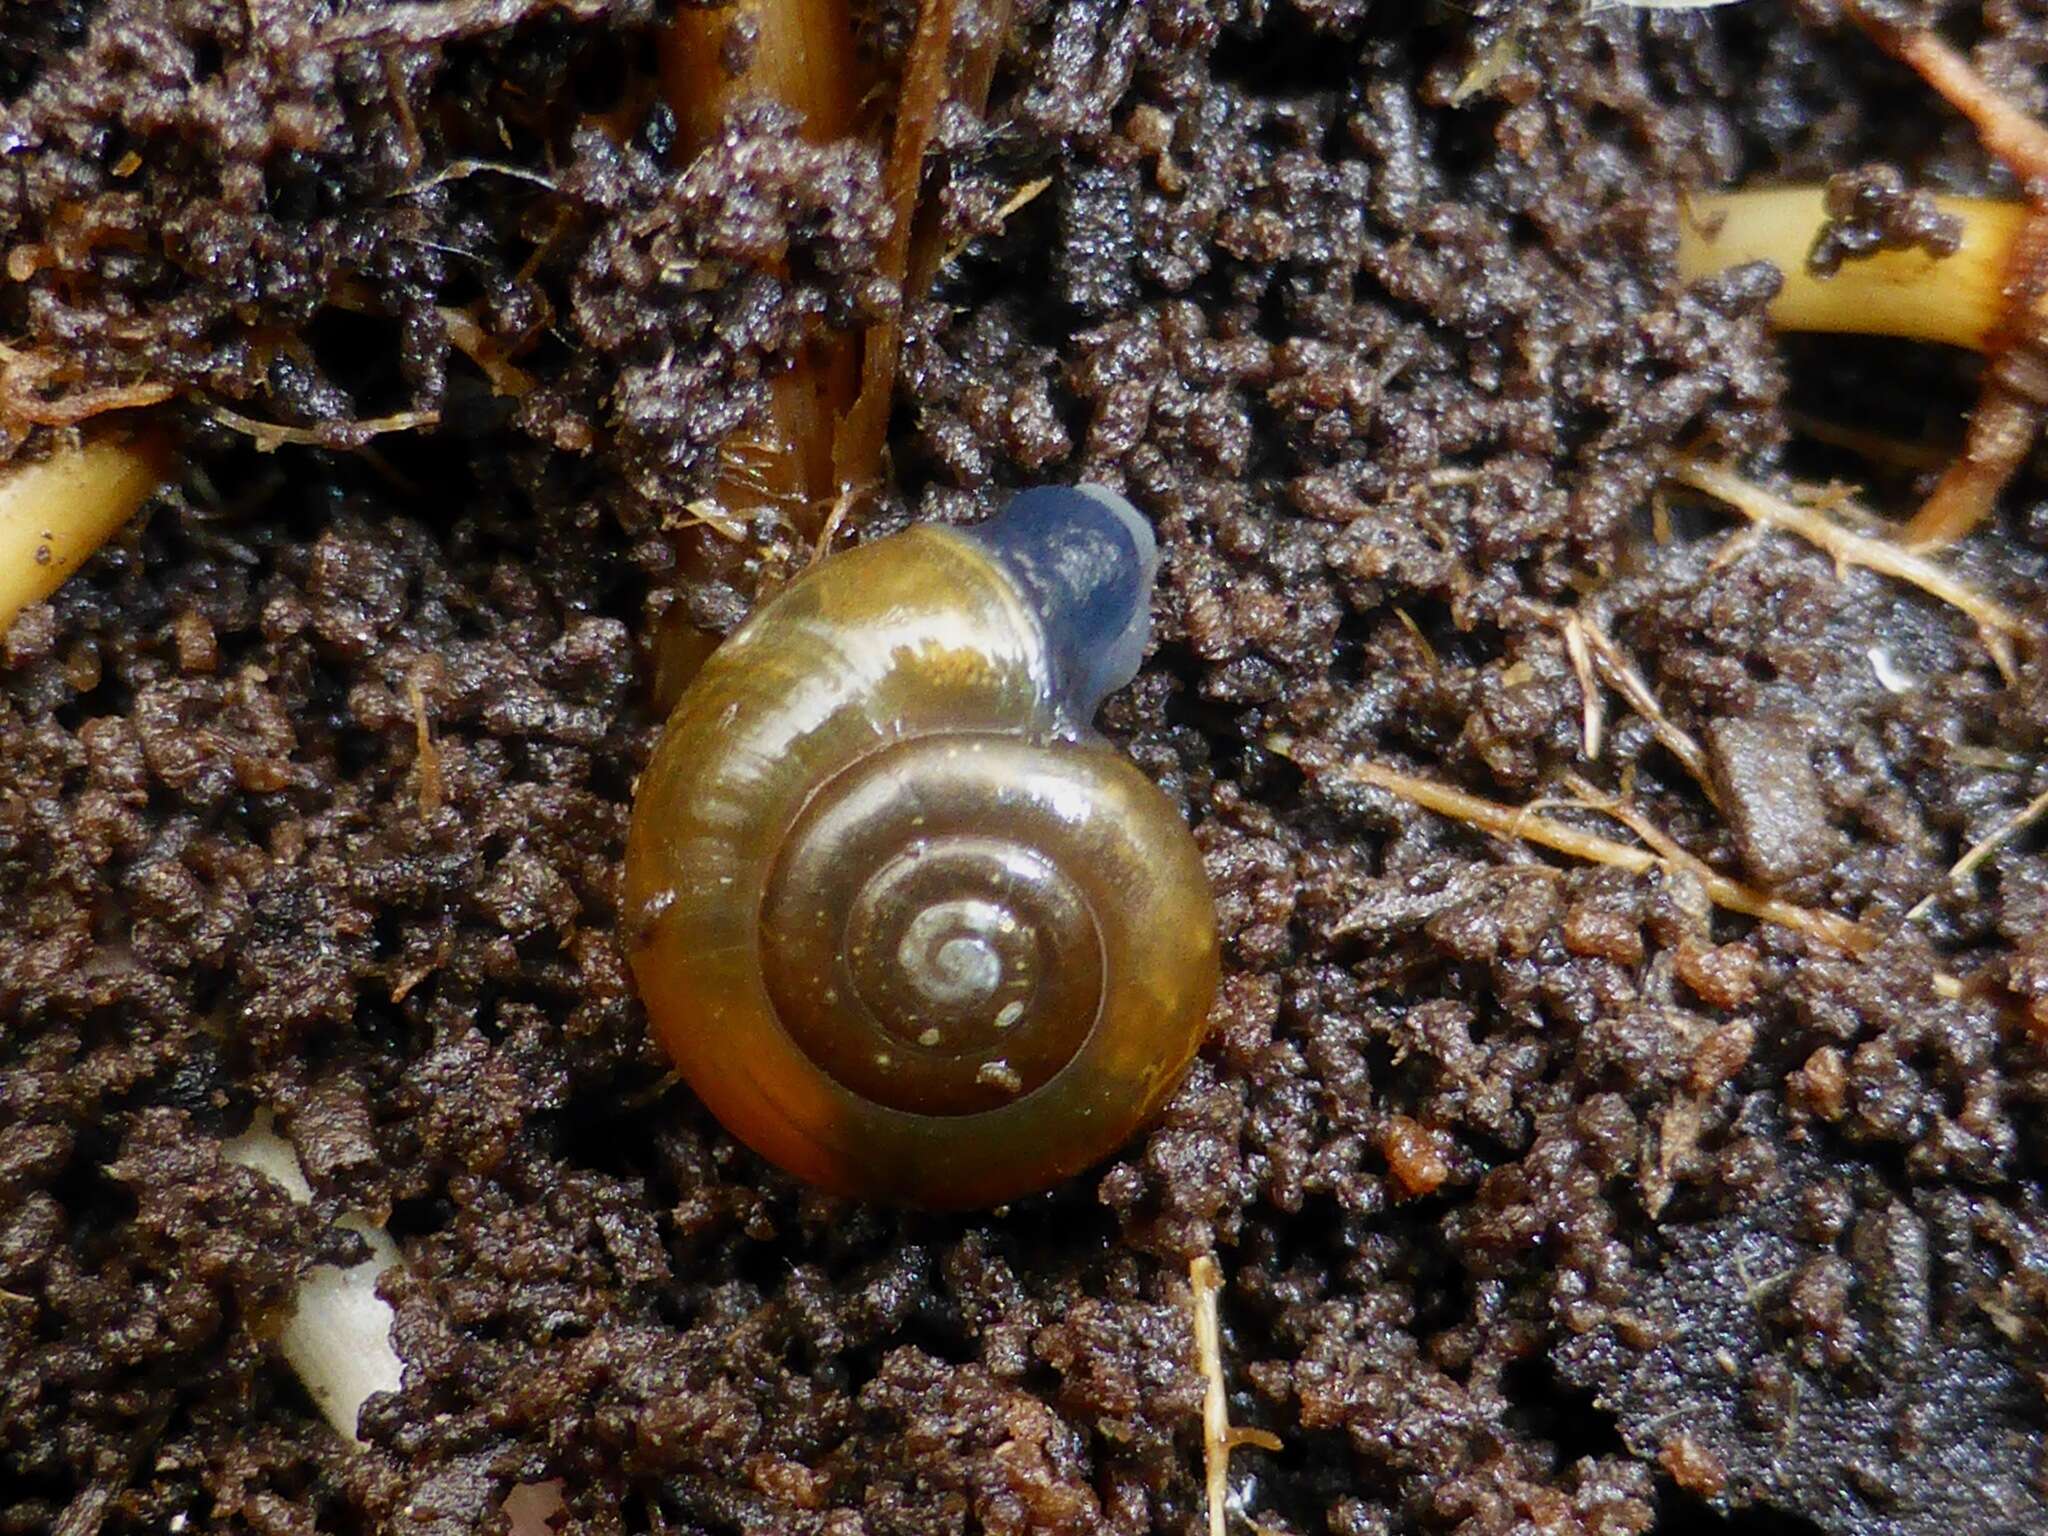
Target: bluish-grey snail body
908, 927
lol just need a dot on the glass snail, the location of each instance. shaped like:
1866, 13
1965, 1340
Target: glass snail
904, 922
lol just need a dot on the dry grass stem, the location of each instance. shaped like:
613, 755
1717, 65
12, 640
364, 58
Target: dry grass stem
1528, 826
1998, 625
1981, 850
1219, 1436
55, 512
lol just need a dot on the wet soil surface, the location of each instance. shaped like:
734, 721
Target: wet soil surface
1549, 1197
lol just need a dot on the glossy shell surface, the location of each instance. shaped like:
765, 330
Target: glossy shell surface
906, 927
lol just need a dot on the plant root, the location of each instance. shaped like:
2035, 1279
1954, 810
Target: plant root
1527, 825
1997, 626
859, 437
1959, 299
1219, 1436
1592, 650
1997, 838
2003, 128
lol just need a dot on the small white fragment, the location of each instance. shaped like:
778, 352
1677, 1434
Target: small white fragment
1888, 674
999, 1074
339, 1336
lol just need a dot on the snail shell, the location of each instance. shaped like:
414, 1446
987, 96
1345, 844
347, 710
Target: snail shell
906, 926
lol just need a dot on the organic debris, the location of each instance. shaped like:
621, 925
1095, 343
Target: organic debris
1219, 1436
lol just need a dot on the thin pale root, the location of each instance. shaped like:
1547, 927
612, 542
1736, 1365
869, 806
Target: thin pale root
1524, 825
1219, 1436
1998, 624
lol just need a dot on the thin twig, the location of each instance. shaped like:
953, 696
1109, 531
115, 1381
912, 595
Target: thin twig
1997, 837
1996, 623
1525, 825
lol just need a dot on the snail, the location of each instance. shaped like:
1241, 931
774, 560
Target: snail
906, 925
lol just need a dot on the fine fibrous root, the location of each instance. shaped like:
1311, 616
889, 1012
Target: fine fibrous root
56, 511
1219, 1436
269, 436
1593, 725
2002, 128
1592, 650
1997, 625
1522, 824
1999, 835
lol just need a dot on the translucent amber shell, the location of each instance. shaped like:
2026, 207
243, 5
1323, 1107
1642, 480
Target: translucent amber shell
905, 926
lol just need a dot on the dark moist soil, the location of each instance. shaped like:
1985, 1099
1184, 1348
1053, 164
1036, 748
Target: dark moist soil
1548, 1197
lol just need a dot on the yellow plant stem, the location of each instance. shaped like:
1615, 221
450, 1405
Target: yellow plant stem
1988, 295
56, 511
1960, 299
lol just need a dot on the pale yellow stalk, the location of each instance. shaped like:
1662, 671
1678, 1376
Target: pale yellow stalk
1958, 299
56, 511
